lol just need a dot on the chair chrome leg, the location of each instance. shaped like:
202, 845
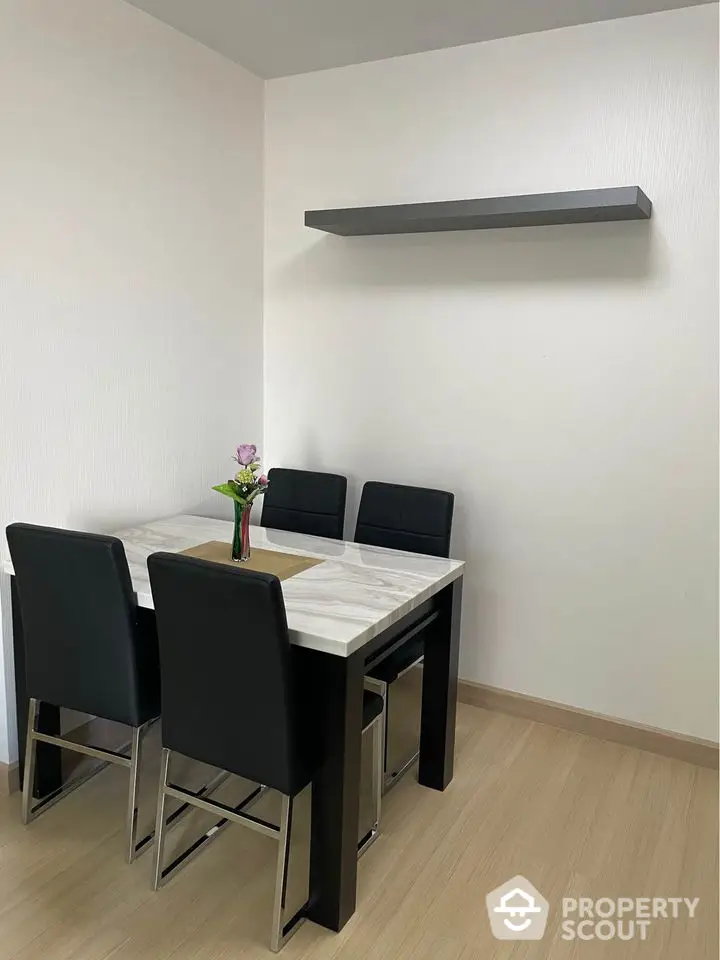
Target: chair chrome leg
200, 800
277, 937
385, 694
392, 776
105, 756
378, 772
131, 846
30, 757
281, 930
159, 848
378, 766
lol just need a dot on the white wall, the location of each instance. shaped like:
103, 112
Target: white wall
130, 271
563, 381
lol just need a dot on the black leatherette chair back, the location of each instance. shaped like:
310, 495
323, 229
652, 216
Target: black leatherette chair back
304, 501
415, 519
85, 647
229, 688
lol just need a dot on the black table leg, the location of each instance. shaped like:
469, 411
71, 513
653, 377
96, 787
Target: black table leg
336, 789
439, 692
48, 769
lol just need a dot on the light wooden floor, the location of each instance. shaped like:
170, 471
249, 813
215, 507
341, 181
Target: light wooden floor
577, 816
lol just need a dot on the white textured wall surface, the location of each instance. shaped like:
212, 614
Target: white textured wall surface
130, 271
562, 381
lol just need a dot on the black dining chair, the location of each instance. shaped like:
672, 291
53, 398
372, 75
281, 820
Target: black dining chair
418, 520
305, 501
237, 696
87, 648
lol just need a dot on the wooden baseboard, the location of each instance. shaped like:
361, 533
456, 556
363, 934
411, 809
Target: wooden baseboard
9, 779
703, 753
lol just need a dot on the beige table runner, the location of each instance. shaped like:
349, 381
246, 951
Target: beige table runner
282, 565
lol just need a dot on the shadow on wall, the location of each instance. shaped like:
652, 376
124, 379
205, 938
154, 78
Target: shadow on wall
479, 636
596, 252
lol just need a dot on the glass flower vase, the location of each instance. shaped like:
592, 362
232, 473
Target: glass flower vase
241, 532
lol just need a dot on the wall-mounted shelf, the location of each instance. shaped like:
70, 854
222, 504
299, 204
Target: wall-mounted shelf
530, 210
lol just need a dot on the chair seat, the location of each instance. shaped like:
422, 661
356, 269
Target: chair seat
405, 656
372, 707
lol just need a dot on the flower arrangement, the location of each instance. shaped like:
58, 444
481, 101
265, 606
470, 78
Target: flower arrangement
247, 484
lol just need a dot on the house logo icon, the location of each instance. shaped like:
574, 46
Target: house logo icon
517, 911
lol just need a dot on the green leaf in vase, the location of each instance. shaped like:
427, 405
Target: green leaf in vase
229, 490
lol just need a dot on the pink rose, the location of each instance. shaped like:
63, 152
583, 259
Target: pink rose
246, 454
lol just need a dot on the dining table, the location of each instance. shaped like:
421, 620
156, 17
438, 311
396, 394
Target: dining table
348, 612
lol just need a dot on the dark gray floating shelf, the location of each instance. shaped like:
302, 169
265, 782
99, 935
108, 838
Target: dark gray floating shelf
530, 210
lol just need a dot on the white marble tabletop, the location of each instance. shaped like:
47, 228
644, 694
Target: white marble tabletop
335, 606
